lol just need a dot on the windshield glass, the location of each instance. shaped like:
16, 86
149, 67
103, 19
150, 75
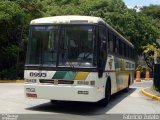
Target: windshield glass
65, 45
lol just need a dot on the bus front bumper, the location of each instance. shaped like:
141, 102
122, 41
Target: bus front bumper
63, 92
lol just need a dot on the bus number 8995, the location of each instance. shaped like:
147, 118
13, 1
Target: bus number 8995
36, 74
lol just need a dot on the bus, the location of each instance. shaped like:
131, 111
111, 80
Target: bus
77, 58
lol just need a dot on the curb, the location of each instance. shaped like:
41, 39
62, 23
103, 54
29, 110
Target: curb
150, 95
11, 81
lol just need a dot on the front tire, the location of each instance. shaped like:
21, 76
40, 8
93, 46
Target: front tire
105, 101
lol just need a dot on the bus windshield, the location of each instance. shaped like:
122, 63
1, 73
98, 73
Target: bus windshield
62, 45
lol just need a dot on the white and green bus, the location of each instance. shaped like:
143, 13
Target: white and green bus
77, 58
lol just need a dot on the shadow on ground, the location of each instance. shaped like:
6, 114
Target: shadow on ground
81, 108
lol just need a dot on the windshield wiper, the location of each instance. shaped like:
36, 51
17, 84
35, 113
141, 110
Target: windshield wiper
65, 60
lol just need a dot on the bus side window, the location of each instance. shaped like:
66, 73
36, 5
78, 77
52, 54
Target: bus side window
124, 50
130, 53
114, 44
117, 45
110, 42
102, 33
120, 47
103, 37
107, 39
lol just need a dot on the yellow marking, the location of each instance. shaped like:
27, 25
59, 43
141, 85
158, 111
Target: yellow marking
81, 75
150, 95
11, 81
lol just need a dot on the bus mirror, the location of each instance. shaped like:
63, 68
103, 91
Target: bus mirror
101, 58
100, 68
103, 46
100, 73
103, 50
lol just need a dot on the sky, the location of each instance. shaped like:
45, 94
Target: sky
132, 3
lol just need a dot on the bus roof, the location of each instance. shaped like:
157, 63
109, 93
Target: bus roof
74, 19
67, 19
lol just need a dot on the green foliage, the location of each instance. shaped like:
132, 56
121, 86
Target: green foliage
14, 20
149, 52
141, 68
153, 10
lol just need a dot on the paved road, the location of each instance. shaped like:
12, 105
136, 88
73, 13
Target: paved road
12, 100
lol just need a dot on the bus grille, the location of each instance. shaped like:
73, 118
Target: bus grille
57, 81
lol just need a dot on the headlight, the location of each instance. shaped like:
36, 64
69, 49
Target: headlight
30, 80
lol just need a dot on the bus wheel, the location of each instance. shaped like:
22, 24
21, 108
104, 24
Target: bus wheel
105, 101
127, 88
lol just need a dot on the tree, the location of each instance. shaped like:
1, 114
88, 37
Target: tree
151, 54
14, 22
152, 10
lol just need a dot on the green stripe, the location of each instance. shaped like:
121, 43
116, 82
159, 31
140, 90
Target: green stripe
70, 75
59, 75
